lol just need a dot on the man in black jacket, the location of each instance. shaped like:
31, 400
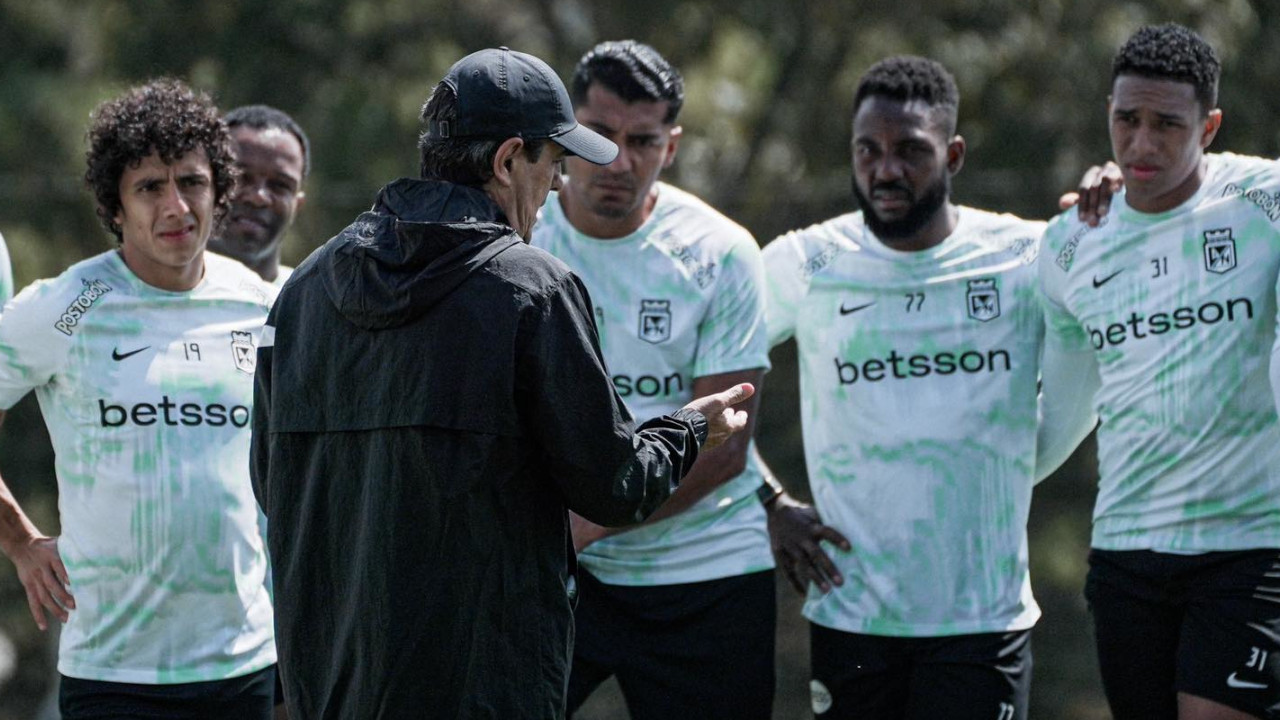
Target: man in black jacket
430, 398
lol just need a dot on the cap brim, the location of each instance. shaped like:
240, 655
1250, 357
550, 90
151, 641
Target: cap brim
588, 145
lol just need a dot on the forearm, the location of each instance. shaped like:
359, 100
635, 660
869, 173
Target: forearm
712, 470
16, 529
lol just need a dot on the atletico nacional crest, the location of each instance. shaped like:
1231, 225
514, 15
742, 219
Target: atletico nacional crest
983, 299
655, 320
243, 351
1219, 250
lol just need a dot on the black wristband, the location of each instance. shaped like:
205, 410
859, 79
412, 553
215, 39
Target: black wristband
767, 493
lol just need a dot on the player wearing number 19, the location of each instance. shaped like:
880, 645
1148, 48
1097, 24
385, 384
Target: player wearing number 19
919, 336
142, 359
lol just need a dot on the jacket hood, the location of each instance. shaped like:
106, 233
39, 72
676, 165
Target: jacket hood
419, 242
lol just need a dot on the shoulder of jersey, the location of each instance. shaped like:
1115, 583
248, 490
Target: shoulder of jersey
221, 272
1004, 232
60, 303
843, 231
1249, 170
720, 229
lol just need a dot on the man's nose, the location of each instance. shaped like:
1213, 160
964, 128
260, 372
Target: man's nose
622, 163
253, 192
173, 201
888, 167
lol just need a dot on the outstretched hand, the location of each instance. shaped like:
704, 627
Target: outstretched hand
44, 577
795, 531
722, 419
1092, 199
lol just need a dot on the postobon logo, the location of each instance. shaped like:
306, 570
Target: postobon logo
819, 696
243, 351
1219, 250
93, 290
983, 299
655, 321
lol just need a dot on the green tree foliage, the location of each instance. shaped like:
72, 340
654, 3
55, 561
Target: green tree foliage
770, 89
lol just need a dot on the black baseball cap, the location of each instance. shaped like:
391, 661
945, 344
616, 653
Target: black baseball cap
503, 93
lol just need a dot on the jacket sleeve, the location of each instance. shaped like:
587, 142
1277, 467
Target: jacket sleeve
608, 471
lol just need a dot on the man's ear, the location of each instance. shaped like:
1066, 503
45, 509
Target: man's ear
504, 160
1210, 129
673, 144
955, 154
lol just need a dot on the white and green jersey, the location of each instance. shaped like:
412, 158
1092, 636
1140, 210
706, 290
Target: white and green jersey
6, 273
1179, 309
147, 396
282, 275
680, 298
918, 402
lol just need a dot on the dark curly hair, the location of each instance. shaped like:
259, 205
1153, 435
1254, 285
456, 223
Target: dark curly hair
908, 77
165, 117
1171, 52
631, 70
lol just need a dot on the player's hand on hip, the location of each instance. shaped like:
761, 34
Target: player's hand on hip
722, 419
1092, 199
44, 577
795, 531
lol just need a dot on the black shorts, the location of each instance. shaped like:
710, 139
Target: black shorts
695, 650
1207, 625
249, 697
985, 676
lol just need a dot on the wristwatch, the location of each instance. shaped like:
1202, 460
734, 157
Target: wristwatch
769, 491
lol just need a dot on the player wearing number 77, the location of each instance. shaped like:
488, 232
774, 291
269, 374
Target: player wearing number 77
919, 336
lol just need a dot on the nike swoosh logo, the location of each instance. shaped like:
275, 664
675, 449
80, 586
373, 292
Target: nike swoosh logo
118, 356
845, 311
1233, 681
1099, 283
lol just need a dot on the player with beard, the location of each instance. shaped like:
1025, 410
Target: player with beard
681, 609
274, 157
919, 334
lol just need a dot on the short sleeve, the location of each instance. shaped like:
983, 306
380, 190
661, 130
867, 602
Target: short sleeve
33, 348
731, 336
1068, 367
6, 273
1062, 330
785, 286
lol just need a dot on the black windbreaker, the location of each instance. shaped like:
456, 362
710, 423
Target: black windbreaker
430, 397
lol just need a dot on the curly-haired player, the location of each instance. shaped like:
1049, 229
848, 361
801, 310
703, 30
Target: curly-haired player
165, 118
142, 358
1169, 304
